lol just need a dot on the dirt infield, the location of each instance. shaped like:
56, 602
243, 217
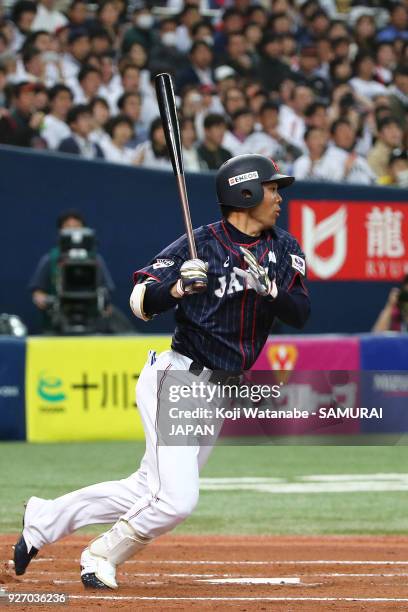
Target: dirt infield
228, 573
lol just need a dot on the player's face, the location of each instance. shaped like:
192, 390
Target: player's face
267, 212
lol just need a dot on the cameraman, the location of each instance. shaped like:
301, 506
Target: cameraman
43, 285
394, 316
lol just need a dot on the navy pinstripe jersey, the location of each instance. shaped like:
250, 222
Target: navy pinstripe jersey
226, 327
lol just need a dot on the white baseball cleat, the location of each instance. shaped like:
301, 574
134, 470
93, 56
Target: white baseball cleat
99, 560
97, 572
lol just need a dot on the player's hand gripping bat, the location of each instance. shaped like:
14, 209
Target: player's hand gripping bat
168, 113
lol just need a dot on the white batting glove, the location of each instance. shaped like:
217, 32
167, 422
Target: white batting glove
193, 277
256, 277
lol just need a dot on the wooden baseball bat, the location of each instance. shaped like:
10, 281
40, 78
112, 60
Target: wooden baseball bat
168, 113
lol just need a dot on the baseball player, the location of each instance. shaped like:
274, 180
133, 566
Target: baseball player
252, 271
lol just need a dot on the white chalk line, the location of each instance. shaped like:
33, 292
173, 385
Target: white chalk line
260, 598
187, 575
227, 562
311, 484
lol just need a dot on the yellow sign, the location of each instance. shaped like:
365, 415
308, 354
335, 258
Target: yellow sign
84, 388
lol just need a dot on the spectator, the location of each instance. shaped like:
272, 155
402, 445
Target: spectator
153, 153
77, 14
292, 118
131, 83
271, 70
337, 29
253, 35
107, 20
257, 14
22, 16
316, 115
397, 170
330, 163
110, 79
211, 153
188, 17
3, 84
141, 30
394, 316
343, 135
389, 138
100, 41
54, 127
232, 21
20, 126
318, 25
191, 102
87, 85
225, 78
363, 82
398, 26
78, 49
266, 141
340, 71
203, 30
47, 17
386, 62
189, 141
100, 116
399, 94
32, 67
242, 125
233, 100
365, 30
341, 47
310, 74
79, 119
164, 55
130, 104
237, 55
200, 71
281, 24
115, 148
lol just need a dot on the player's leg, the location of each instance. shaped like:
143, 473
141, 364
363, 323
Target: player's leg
173, 484
45, 521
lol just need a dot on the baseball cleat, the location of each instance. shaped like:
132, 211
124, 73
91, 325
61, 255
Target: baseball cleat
97, 572
22, 556
90, 581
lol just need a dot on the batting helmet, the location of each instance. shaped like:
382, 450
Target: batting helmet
239, 180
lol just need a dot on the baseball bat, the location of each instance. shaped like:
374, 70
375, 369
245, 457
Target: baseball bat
168, 113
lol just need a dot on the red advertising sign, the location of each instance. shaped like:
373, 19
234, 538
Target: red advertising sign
352, 240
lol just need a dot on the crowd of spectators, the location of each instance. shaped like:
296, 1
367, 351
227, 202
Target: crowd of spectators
320, 87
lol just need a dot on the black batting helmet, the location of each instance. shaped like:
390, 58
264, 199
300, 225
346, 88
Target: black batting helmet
239, 180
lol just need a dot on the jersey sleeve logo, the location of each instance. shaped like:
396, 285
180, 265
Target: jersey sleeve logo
241, 178
299, 264
163, 263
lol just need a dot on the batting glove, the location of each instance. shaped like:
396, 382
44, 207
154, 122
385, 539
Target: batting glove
256, 276
193, 277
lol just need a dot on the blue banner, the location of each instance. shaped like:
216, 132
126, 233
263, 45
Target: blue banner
12, 389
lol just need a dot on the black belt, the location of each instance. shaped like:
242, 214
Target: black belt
216, 377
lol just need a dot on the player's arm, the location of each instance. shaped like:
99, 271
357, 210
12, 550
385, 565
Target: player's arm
290, 300
165, 281
293, 306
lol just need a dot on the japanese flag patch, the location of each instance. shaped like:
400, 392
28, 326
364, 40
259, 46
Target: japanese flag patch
299, 264
163, 263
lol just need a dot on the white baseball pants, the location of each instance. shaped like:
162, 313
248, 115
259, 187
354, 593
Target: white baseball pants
156, 498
